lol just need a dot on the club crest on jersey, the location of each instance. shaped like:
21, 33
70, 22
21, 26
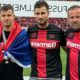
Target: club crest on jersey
51, 36
33, 35
70, 35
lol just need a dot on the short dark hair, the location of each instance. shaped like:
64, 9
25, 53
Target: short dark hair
6, 7
73, 7
40, 4
0, 5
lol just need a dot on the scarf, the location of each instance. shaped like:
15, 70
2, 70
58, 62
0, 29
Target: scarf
17, 46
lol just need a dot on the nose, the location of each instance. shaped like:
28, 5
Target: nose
74, 19
6, 17
40, 16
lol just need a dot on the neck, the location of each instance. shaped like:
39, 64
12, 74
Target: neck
7, 28
43, 25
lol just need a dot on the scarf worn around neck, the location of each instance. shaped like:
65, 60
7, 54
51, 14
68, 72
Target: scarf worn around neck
17, 46
14, 32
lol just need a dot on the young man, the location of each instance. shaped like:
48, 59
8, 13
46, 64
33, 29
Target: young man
14, 46
73, 44
45, 40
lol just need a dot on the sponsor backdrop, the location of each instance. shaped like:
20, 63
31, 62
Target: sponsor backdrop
25, 7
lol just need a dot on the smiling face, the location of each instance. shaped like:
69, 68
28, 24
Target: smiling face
74, 18
41, 15
7, 18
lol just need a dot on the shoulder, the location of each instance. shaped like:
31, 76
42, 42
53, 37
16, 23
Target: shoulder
69, 30
69, 33
33, 28
54, 28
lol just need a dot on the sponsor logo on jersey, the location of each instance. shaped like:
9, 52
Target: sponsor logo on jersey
44, 44
74, 45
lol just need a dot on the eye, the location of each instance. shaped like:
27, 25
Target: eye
9, 15
43, 13
37, 13
77, 16
3, 15
71, 17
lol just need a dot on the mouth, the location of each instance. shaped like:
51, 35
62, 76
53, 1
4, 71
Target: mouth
40, 20
8, 23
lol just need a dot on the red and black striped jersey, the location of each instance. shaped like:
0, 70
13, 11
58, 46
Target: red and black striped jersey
45, 43
73, 55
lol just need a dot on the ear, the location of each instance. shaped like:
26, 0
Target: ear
14, 16
67, 21
48, 13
